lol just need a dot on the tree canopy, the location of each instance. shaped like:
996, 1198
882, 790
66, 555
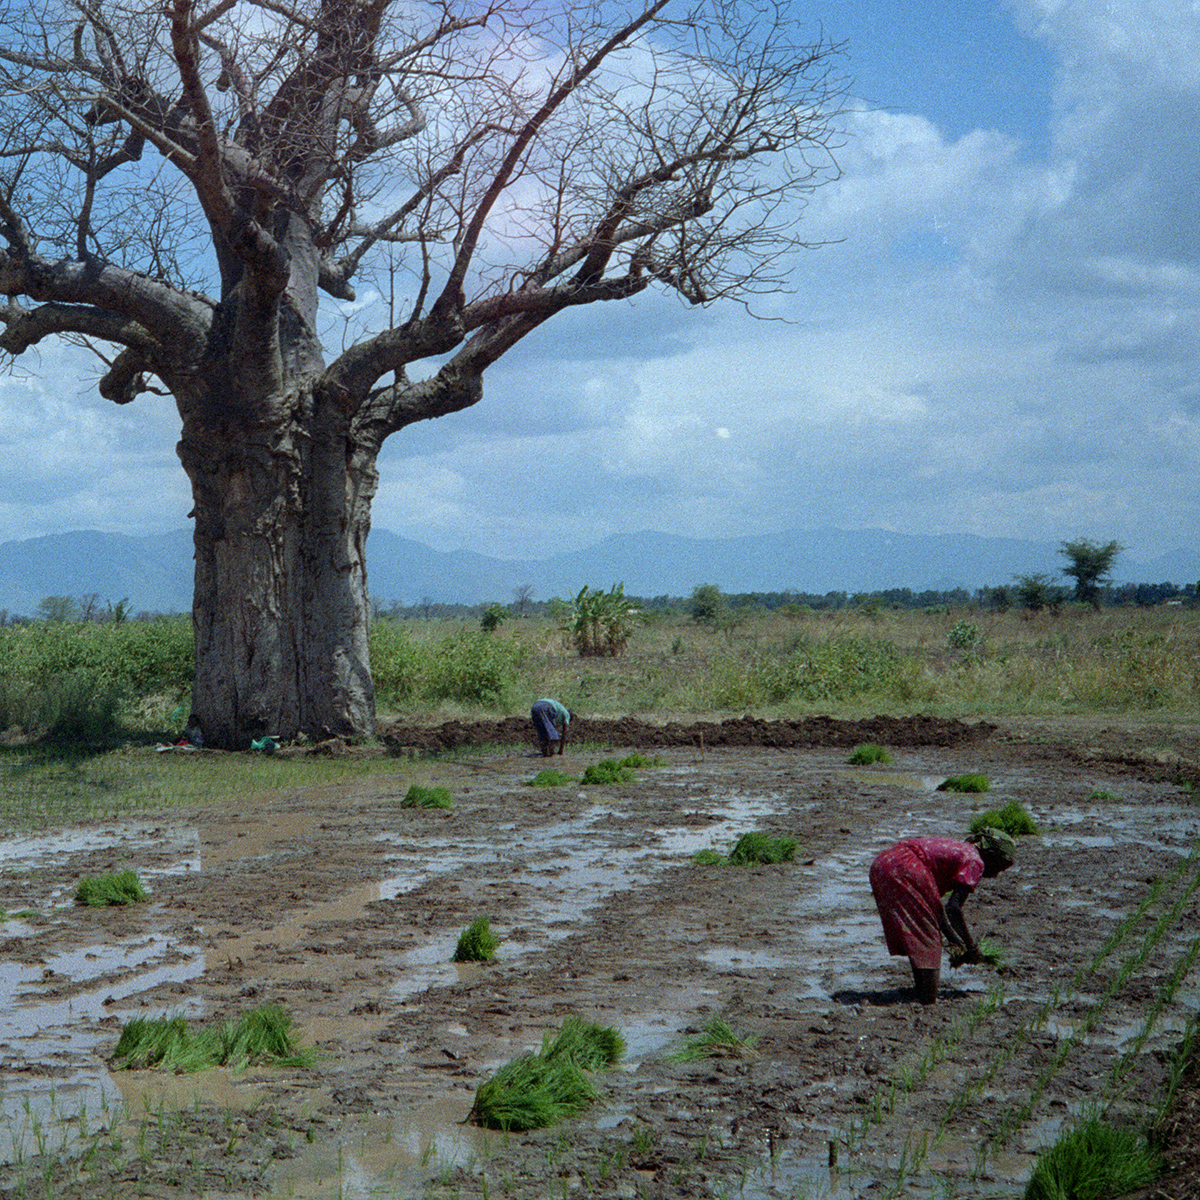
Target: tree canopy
1088, 563
187, 187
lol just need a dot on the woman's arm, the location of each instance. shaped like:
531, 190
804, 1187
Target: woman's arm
954, 926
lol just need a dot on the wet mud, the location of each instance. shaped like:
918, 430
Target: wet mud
345, 907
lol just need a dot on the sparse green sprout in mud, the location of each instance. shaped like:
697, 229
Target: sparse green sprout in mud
593, 1047
1012, 819
263, 1036
1094, 1161
537, 1090
427, 797
756, 847
965, 783
715, 1040
608, 770
549, 777
1100, 794
868, 753
117, 887
476, 943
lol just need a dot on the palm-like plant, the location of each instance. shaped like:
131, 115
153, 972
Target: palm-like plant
600, 622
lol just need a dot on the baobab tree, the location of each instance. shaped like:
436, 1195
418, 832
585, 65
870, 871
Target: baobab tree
195, 188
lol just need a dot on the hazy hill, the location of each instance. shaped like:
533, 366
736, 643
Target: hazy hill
155, 572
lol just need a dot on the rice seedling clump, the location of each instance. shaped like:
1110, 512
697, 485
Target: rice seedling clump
592, 1046
476, 943
716, 1039
117, 887
262, 1036
608, 770
1093, 1162
868, 753
762, 848
637, 760
427, 797
965, 783
708, 858
549, 777
536, 1090
1013, 819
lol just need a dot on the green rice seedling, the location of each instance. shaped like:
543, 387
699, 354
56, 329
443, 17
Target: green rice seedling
608, 770
868, 753
1100, 794
476, 943
427, 797
716, 1039
532, 1092
1094, 1161
965, 783
262, 1036
708, 858
759, 847
992, 954
592, 1046
164, 1042
1013, 819
636, 761
549, 777
117, 887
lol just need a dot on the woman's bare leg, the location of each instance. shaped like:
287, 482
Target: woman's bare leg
927, 979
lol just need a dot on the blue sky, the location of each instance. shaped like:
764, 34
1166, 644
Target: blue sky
999, 338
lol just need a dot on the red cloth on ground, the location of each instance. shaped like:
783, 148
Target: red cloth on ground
908, 881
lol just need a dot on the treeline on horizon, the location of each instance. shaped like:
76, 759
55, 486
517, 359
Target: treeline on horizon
1033, 593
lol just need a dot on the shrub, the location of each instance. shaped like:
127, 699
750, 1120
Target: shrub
1094, 1161
427, 797
965, 783
117, 887
1013, 819
963, 636
476, 943
762, 848
868, 753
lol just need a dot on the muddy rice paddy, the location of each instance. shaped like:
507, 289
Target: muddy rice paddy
345, 908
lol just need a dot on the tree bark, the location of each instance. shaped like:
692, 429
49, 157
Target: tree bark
281, 609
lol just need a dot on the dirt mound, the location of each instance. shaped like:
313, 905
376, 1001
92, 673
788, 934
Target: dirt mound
736, 731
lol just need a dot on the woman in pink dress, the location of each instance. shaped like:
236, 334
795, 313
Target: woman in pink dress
908, 882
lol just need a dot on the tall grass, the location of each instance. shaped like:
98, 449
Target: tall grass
78, 680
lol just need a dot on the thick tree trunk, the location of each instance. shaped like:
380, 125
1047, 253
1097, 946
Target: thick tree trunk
281, 611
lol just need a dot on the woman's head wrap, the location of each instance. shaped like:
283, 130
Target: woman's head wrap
990, 840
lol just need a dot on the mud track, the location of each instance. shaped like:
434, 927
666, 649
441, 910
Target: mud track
345, 907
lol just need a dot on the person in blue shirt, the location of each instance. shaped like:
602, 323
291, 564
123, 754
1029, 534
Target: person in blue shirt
550, 722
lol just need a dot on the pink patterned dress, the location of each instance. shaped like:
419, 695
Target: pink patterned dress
908, 881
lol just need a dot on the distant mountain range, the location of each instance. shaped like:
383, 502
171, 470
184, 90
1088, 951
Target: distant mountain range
155, 572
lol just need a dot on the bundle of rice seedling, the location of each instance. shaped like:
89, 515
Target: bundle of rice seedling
636, 760
717, 1039
427, 797
592, 1046
868, 753
164, 1042
965, 783
263, 1035
549, 777
476, 943
708, 858
1094, 1161
1013, 819
762, 848
532, 1092
991, 953
118, 887
607, 771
